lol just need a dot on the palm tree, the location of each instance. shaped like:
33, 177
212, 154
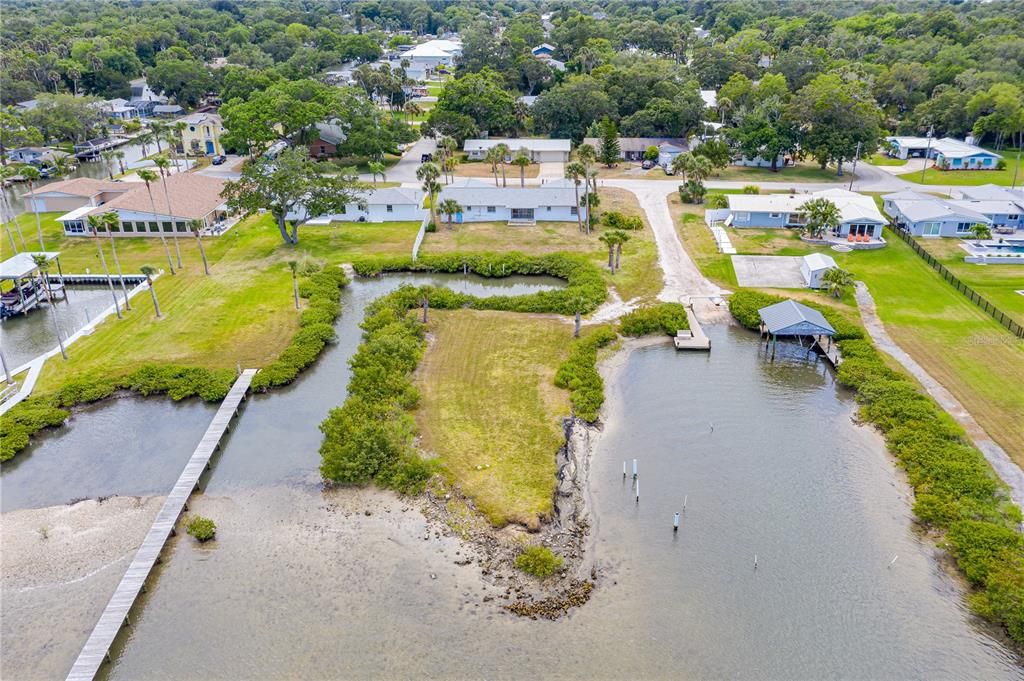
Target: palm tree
980, 231
412, 109
95, 222
149, 272
724, 106
700, 168
156, 131
837, 281
197, 228
108, 160
620, 238
44, 265
120, 159
377, 168
587, 155
164, 165
110, 220
503, 152
494, 158
148, 176
574, 171
522, 159
8, 213
450, 207
449, 145
293, 265
31, 175
609, 239
682, 164
821, 214
428, 174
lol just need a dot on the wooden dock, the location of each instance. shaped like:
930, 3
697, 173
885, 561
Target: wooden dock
692, 338
828, 349
115, 615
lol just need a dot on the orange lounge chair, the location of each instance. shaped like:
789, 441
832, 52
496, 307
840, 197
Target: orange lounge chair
849, 237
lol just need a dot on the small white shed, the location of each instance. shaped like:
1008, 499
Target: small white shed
813, 267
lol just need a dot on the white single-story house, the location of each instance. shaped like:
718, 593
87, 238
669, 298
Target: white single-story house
192, 197
540, 150
928, 215
990, 192
71, 194
814, 266
431, 55
948, 153
858, 213
759, 162
390, 204
710, 98
483, 202
634, 148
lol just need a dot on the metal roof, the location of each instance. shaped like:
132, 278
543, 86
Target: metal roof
790, 318
482, 194
22, 264
528, 143
819, 261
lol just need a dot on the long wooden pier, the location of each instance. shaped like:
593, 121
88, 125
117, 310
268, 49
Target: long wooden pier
115, 615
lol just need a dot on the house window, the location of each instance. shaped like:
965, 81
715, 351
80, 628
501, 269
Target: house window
931, 229
743, 216
963, 227
549, 209
343, 209
191, 128
323, 150
182, 227
74, 227
127, 227
774, 216
390, 208
1012, 217
987, 161
491, 209
153, 227
573, 210
167, 227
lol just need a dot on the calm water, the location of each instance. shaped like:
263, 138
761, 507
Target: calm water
25, 337
301, 584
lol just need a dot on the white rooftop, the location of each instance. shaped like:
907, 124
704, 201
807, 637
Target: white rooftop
76, 213
434, 48
528, 143
853, 207
953, 148
22, 264
710, 97
819, 261
917, 207
477, 193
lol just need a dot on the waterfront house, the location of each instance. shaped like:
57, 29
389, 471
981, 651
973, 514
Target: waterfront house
634, 148
540, 150
928, 215
37, 156
192, 197
118, 109
389, 204
72, 194
813, 267
859, 216
201, 134
483, 202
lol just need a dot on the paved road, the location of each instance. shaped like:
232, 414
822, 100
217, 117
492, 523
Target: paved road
405, 170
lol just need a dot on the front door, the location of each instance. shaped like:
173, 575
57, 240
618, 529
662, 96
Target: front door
522, 213
931, 229
209, 147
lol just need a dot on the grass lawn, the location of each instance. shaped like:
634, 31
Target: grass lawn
997, 283
801, 172
242, 313
490, 409
482, 169
434, 89
640, 275
972, 178
883, 160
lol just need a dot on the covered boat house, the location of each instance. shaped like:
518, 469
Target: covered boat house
29, 286
795, 320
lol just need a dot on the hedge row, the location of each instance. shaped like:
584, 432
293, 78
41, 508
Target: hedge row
585, 289
322, 290
955, 489
665, 318
370, 437
579, 375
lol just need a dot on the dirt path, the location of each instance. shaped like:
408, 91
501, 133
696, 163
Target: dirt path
1005, 468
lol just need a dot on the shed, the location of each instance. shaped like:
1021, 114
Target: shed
814, 266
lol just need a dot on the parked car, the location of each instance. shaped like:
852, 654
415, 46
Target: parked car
647, 165
426, 158
218, 160
669, 170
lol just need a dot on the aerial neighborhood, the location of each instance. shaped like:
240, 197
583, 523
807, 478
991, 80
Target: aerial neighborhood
405, 336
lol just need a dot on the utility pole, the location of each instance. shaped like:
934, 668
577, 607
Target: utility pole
853, 173
928, 151
1016, 170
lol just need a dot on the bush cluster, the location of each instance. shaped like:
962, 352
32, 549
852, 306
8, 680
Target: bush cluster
716, 200
585, 291
18, 424
201, 528
665, 318
539, 561
955, 489
617, 220
370, 437
322, 290
578, 374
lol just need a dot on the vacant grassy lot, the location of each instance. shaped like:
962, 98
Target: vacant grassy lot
997, 283
801, 172
640, 275
482, 169
490, 409
959, 345
242, 313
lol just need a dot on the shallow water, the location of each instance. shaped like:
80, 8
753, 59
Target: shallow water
301, 583
25, 337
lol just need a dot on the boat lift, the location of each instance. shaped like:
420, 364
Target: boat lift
29, 284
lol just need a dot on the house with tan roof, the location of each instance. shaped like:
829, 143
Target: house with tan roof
191, 197
71, 194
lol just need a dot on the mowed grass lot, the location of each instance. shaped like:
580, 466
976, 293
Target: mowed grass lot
482, 169
490, 410
963, 348
801, 172
243, 313
640, 276
996, 283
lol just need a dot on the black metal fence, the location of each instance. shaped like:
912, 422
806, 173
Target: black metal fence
972, 295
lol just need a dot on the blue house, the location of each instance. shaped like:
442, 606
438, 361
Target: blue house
927, 215
952, 154
859, 217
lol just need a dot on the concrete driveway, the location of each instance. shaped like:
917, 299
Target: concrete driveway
405, 170
551, 171
768, 271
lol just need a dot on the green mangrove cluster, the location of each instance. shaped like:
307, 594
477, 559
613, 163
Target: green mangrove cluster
667, 318
955, 489
578, 374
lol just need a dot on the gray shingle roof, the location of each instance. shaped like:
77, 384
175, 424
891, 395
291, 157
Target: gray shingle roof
790, 318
